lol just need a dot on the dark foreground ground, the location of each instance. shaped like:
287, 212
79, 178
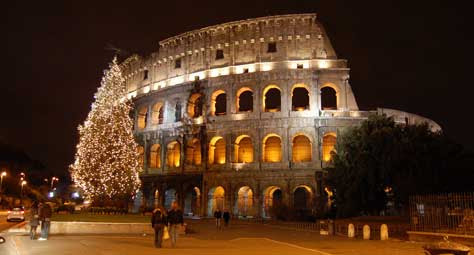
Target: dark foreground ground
239, 238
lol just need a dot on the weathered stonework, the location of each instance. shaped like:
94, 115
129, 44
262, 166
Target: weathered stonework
190, 64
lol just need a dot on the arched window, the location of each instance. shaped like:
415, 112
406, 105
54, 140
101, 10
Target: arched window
329, 142
301, 149
300, 98
195, 105
243, 149
173, 154
245, 100
218, 103
328, 98
217, 150
177, 112
272, 99
193, 152
141, 156
155, 156
272, 148
142, 117
157, 114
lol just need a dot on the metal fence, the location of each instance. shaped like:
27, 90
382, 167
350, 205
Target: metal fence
443, 213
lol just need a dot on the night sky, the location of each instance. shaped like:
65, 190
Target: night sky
414, 56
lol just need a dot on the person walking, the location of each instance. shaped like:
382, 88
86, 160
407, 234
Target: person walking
218, 216
45, 213
175, 217
34, 219
158, 223
226, 217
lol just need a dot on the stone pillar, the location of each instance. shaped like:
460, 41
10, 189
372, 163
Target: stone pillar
366, 232
383, 232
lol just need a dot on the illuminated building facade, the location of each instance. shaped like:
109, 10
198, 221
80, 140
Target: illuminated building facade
243, 115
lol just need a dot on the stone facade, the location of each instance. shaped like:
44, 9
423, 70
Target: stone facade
193, 152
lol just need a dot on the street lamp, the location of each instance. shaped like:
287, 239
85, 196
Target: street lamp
52, 181
3, 174
23, 183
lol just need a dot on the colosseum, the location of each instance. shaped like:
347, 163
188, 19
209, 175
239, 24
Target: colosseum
243, 116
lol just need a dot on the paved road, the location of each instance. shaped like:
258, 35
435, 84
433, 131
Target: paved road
248, 239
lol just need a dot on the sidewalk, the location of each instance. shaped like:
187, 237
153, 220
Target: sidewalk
239, 239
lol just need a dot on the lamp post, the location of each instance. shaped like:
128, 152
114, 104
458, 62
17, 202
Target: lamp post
23, 183
52, 181
3, 174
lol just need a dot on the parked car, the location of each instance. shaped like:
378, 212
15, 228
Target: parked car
16, 214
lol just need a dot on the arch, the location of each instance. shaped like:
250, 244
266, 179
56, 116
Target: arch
142, 117
300, 97
245, 100
155, 156
195, 105
272, 148
141, 156
301, 149
192, 201
170, 196
193, 152
244, 201
302, 196
217, 150
329, 143
329, 96
273, 198
216, 199
177, 111
272, 99
243, 149
157, 113
218, 103
173, 154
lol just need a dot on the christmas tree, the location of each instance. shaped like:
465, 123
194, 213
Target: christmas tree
106, 163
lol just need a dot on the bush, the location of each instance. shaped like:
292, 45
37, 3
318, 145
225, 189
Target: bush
108, 210
65, 208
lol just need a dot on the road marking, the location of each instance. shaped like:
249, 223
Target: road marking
285, 243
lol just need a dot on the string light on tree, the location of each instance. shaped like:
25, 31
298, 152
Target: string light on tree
106, 163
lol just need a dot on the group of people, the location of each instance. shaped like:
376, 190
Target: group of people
40, 213
167, 221
219, 215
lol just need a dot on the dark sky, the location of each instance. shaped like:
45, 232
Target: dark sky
409, 55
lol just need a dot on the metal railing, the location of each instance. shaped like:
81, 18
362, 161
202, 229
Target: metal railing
443, 213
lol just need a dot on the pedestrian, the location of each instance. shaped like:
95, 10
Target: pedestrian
218, 216
175, 218
34, 219
226, 217
45, 213
158, 223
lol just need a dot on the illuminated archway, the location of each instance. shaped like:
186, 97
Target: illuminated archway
218, 103
244, 201
300, 97
272, 99
193, 152
155, 156
302, 149
195, 105
273, 198
217, 150
170, 196
329, 97
272, 148
243, 149
156, 198
157, 113
216, 199
329, 143
173, 154
302, 196
244, 100
142, 117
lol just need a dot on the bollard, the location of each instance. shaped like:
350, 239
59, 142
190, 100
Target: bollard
383, 232
350, 230
366, 232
